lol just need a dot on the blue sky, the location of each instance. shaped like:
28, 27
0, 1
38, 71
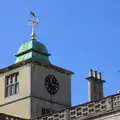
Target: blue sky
80, 34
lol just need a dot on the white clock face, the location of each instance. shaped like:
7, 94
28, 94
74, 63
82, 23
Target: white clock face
51, 84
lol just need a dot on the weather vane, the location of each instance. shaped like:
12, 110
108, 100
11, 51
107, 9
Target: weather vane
33, 21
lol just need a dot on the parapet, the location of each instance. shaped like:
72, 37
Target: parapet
88, 110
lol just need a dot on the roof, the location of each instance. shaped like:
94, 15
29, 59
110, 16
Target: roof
17, 65
33, 49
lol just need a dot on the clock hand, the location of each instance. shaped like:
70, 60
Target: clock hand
54, 85
50, 79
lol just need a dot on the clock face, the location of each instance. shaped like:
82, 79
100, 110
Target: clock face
51, 84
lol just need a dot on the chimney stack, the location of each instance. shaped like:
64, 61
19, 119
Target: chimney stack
95, 85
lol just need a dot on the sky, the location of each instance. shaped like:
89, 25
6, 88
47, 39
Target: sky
80, 35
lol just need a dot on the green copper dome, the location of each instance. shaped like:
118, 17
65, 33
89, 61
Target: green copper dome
33, 49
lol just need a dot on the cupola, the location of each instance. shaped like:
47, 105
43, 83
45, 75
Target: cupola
33, 49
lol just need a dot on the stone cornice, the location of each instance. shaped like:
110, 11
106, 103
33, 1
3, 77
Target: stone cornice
17, 65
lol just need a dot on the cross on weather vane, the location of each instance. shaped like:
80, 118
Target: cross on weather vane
33, 21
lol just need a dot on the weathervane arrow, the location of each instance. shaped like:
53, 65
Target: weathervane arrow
33, 14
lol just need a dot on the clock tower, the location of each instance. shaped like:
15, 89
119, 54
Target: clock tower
33, 86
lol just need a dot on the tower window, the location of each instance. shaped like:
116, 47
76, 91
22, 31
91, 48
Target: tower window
45, 111
11, 84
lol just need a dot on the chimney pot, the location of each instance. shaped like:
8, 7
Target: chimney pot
100, 76
90, 73
95, 74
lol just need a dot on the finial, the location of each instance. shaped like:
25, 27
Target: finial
33, 21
